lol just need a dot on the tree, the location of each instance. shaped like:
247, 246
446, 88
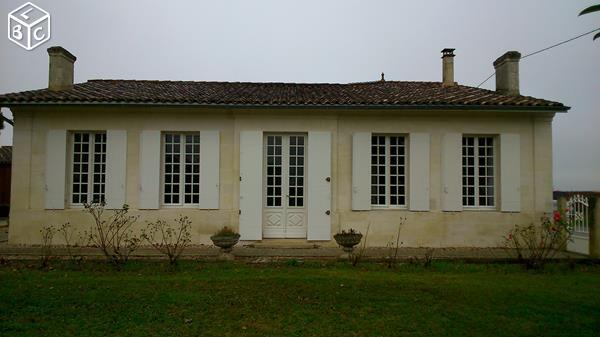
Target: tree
591, 9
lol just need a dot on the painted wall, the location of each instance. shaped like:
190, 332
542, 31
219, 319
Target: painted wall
432, 228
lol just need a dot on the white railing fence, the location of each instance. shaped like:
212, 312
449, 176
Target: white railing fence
578, 213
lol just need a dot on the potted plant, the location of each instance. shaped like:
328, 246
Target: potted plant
225, 239
348, 239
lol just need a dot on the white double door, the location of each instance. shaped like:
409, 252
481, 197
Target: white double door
284, 194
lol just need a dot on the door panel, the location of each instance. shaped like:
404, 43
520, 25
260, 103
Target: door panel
251, 185
284, 204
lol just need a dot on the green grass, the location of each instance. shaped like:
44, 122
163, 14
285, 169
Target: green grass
298, 299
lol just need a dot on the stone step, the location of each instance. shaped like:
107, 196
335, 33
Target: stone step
286, 244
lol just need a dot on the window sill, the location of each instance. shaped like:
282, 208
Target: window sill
75, 206
480, 209
389, 208
188, 206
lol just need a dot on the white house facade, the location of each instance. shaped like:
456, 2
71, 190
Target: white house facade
285, 161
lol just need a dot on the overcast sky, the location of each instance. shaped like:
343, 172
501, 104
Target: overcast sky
333, 41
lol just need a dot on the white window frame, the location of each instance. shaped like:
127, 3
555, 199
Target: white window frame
476, 172
182, 154
387, 171
91, 171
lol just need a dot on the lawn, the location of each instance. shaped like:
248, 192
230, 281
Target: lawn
298, 299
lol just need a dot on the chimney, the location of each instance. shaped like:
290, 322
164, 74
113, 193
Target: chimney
507, 73
60, 75
448, 67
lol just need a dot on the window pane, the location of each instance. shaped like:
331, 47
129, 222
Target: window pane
79, 177
273, 173
478, 171
88, 167
468, 160
171, 160
397, 169
378, 169
191, 168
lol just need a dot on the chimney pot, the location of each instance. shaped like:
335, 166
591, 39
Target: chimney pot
507, 73
60, 74
448, 67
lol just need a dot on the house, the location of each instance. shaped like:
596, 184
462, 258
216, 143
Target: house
286, 160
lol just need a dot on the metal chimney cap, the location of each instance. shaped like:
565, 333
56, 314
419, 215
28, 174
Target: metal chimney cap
448, 52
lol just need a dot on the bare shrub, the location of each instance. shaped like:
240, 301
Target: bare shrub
426, 260
167, 239
72, 242
392, 258
428, 257
112, 234
356, 257
48, 232
535, 245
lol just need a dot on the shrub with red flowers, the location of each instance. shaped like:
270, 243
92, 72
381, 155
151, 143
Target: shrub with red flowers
534, 245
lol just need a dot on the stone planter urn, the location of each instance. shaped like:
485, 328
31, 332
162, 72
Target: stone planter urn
348, 240
225, 242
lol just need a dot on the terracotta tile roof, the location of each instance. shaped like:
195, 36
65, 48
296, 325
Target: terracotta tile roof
380, 93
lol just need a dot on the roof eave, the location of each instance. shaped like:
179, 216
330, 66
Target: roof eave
313, 106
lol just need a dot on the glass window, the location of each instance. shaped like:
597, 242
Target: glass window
88, 179
388, 170
478, 171
181, 169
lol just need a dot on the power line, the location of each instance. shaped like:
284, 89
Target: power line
563, 42
544, 49
482, 83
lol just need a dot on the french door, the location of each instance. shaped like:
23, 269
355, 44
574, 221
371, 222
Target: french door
284, 194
